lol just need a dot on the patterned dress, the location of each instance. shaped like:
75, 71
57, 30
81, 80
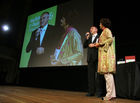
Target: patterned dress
71, 50
106, 53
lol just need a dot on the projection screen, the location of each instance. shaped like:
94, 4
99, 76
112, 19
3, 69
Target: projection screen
55, 36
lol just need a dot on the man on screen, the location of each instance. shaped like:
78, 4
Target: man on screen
40, 44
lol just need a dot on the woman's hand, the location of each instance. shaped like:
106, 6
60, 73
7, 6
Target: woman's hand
96, 45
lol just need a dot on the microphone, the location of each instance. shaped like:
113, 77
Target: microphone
87, 34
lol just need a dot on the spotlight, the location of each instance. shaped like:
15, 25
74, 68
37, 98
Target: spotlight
5, 27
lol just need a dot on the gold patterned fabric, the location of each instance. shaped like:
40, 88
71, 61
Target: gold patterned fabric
71, 51
106, 53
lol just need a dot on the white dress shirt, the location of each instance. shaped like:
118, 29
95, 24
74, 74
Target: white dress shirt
93, 37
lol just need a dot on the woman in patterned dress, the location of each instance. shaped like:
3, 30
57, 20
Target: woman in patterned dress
106, 58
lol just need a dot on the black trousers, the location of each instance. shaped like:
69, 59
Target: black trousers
92, 67
96, 82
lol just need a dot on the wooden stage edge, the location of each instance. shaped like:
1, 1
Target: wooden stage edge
18, 94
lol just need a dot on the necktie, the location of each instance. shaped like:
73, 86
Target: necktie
37, 37
42, 33
40, 36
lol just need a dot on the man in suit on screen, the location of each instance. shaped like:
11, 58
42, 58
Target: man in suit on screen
40, 43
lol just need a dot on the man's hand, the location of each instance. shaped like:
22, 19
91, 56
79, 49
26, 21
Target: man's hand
39, 50
91, 45
87, 35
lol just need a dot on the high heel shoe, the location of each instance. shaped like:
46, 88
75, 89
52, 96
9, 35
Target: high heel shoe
107, 98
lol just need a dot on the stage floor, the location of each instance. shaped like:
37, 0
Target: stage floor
17, 94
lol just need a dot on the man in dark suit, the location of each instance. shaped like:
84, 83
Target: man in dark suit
92, 59
40, 43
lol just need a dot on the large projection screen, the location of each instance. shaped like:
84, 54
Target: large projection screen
60, 42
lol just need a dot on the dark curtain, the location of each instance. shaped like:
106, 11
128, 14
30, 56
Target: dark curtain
127, 79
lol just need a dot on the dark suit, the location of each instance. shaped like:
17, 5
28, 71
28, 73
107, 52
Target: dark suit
92, 59
43, 59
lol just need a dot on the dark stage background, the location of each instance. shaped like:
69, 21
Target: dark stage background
124, 17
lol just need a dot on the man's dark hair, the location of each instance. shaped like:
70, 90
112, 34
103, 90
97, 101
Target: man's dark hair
45, 13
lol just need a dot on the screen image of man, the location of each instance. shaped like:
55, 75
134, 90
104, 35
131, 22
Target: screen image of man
39, 43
